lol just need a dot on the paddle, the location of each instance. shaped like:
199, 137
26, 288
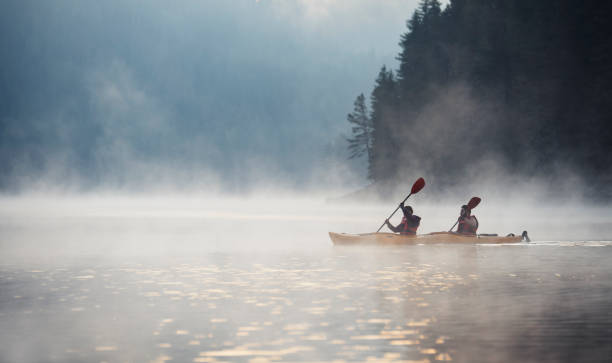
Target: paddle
471, 205
416, 187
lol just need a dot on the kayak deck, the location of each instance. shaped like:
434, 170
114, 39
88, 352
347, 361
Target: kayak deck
435, 237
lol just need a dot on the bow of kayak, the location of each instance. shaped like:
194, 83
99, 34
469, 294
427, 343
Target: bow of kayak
435, 237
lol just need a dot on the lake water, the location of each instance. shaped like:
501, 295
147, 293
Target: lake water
214, 281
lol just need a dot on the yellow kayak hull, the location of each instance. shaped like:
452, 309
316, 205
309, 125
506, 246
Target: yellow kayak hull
431, 238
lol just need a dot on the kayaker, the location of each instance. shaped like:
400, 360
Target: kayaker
468, 224
409, 224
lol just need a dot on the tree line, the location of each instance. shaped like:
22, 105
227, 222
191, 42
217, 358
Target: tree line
525, 85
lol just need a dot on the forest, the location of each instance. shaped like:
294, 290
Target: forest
521, 86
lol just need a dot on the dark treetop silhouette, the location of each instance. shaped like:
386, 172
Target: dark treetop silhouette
525, 83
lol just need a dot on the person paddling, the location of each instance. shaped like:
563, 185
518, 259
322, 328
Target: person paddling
468, 224
409, 224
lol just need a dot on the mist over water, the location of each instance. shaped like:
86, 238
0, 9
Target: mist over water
158, 224
205, 279
184, 96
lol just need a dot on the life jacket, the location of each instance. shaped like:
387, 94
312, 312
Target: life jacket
410, 227
468, 225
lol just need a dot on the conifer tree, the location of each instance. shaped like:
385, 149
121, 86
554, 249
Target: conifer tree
361, 142
384, 100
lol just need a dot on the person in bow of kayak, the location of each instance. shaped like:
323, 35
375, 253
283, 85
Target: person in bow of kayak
409, 224
468, 224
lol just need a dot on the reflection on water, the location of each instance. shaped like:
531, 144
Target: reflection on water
196, 280
416, 303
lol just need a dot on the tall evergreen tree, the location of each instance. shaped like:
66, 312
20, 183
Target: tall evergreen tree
361, 141
384, 100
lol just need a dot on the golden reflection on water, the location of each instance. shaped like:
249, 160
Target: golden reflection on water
263, 313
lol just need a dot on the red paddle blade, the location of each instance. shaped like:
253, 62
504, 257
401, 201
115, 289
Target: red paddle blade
473, 202
418, 185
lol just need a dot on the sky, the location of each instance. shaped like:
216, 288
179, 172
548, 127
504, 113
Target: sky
211, 94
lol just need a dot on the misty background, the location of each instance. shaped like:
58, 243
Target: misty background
168, 172
194, 94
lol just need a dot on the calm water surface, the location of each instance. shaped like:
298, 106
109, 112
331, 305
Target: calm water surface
98, 289
419, 303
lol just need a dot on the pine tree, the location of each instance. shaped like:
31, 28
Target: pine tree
361, 142
384, 107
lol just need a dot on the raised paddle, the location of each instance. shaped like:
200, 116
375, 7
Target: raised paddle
471, 205
416, 187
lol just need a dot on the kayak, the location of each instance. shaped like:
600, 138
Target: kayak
435, 237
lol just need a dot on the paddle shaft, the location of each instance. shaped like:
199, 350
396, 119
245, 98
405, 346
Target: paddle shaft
382, 225
451, 229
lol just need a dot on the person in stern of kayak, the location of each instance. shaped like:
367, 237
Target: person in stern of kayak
468, 224
409, 224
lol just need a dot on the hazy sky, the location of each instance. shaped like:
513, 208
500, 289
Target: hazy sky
120, 93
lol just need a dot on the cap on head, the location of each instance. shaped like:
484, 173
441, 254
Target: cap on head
409, 209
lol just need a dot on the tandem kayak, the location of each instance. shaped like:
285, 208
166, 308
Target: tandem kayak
435, 237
